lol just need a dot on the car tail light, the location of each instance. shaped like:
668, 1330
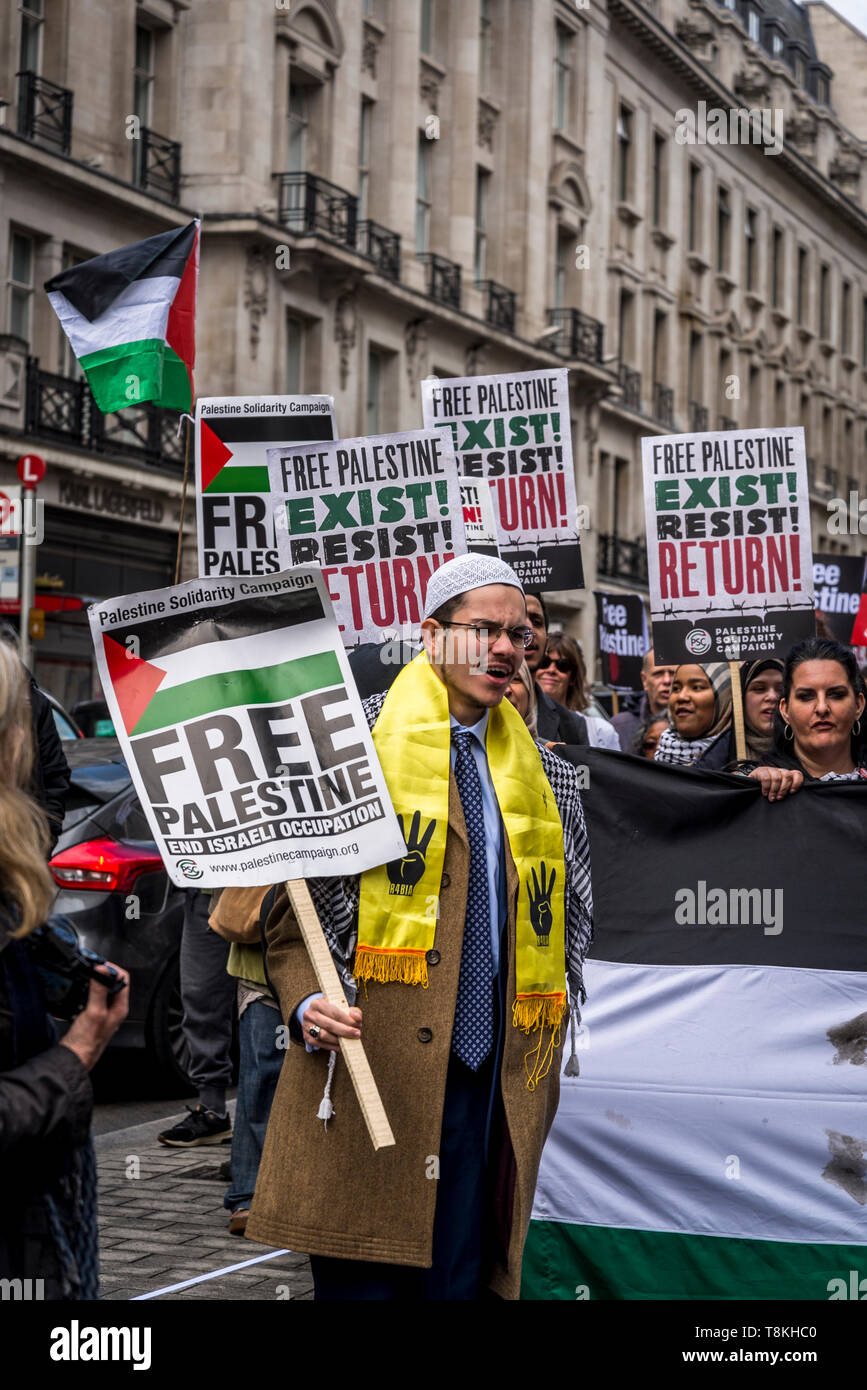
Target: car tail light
105, 865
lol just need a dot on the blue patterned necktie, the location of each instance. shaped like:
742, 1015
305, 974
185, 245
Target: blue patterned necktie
473, 1032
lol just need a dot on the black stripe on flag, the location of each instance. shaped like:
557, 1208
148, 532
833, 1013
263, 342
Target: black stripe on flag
181, 631
93, 286
270, 429
657, 830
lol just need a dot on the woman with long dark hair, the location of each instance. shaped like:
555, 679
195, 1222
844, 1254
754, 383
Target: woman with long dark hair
562, 674
819, 731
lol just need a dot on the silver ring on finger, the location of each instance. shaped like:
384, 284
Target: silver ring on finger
314, 1030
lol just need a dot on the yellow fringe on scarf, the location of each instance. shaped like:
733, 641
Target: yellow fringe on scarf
403, 967
538, 1070
530, 1012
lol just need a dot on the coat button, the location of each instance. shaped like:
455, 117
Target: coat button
424, 1035
432, 957
445, 880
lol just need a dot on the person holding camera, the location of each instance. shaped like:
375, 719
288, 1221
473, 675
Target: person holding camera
48, 1231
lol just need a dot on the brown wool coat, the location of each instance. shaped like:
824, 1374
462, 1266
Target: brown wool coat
325, 1191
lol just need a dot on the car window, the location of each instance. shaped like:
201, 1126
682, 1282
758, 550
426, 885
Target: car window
62, 724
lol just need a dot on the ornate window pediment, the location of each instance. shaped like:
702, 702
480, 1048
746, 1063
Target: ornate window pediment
314, 35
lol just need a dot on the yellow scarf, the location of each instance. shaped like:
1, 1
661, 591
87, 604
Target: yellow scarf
399, 903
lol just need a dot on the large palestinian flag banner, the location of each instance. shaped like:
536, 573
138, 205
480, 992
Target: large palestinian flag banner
714, 1144
130, 317
243, 730
233, 501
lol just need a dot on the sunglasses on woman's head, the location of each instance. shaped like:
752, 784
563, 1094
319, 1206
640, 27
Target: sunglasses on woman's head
564, 666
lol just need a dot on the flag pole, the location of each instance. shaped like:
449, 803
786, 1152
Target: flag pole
354, 1055
187, 433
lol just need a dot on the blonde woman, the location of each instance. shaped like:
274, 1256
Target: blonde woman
48, 1230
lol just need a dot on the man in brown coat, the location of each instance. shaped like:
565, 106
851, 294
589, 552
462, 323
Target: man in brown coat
463, 1016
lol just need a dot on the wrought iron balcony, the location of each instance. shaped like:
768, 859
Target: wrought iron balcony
698, 417
379, 245
621, 559
156, 164
630, 381
663, 404
580, 336
62, 410
500, 305
443, 279
44, 111
727, 423
310, 205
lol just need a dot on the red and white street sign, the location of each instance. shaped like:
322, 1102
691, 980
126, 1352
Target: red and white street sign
31, 469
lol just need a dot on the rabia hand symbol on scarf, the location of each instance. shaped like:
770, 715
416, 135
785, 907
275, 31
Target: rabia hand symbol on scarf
541, 916
405, 873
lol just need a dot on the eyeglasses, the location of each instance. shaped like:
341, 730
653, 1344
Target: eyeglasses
564, 666
520, 637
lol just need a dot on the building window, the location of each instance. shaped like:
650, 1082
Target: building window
723, 223
20, 285
427, 26
423, 194
802, 284
564, 42
776, 267
694, 373
373, 404
30, 48
778, 43
864, 331
364, 156
824, 303
624, 153
294, 354
299, 121
845, 312
751, 232
143, 75
67, 363
486, 45
483, 181
625, 326
659, 147
561, 267
693, 207
754, 23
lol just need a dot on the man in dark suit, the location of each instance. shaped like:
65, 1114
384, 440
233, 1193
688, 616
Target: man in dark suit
556, 723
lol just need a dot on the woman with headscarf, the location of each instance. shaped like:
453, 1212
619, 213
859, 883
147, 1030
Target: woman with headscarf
562, 674
819, 732
700, 709
761, 687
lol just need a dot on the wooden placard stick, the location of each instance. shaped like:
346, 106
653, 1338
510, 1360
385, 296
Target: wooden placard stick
615, 702
738, 711
354, 1055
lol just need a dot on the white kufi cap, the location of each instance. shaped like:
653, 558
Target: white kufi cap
470, 571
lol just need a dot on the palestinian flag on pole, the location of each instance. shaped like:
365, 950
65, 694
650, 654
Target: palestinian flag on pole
714, 1145
131, 319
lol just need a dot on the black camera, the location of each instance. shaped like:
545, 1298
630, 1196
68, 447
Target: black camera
66, 968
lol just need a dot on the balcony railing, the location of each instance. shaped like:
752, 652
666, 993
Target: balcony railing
443, 279
727, 423
630, 382
44, 111
580, 336
311, 205
156, 164
620, 559
500, 305
663, 404
379, 245
62, 410
698, 417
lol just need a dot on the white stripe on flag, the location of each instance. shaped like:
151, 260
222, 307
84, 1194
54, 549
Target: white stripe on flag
141, 311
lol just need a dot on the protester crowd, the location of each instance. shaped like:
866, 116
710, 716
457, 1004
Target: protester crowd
803, 722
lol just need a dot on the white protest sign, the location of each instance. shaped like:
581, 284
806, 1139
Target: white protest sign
480, 523
233, 507
378, 514
729, 554
243, 730
513, 432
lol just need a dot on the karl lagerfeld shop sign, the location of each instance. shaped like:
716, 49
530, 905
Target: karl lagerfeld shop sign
122, 503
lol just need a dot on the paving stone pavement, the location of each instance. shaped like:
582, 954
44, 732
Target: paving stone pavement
168, 1225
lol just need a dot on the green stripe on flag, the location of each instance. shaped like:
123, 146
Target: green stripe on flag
264, 686
561, 1260
130, 373
241, 478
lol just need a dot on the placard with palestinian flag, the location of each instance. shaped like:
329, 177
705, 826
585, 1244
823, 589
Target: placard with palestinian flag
130, 317
714, 1142
243, 730
233, 504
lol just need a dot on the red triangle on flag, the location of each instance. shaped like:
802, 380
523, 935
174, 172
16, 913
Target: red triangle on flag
214, 454
134, 681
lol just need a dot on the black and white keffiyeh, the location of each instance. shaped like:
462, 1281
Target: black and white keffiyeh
336, 899
680, 751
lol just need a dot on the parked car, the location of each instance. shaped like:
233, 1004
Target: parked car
94, 718
63, 720
114, 888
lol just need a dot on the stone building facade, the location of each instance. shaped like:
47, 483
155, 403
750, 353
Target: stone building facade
397, 188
